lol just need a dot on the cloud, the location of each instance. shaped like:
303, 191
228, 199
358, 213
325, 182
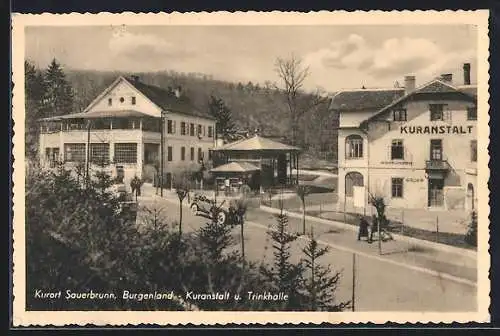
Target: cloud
143, 47
393, 57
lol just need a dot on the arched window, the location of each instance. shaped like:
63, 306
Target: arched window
353, 147
352, 179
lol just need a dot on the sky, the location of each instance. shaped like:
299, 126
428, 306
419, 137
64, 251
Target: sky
338, 57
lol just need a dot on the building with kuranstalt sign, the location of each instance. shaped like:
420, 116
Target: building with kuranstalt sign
416, 145
121, 130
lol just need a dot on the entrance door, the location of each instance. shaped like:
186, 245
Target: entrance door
436, 195
436, 149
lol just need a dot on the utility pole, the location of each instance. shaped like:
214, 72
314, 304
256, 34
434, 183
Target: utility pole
379, 237
162, 149
87, 166
353, 280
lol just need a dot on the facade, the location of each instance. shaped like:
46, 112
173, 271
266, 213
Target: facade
121, 131
415, 146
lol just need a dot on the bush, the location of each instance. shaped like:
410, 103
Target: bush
471, 235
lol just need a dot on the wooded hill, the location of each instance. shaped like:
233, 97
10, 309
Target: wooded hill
252, 106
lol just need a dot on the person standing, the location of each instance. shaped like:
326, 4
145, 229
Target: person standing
363, 228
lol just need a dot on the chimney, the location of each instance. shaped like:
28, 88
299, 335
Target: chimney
466, 73
409, 83
178, 92
447, 78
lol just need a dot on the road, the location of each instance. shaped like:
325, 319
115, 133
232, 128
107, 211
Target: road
382, 283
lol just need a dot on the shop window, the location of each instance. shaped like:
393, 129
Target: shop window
125, 153
99, 153
74, 152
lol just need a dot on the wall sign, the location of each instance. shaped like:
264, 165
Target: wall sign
402, 163
436, 129
413, 179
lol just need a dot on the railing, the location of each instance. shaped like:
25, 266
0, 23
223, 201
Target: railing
437, 165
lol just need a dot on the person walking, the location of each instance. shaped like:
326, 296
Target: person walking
363, 228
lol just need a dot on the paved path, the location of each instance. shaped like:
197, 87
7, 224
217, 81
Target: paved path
399, 280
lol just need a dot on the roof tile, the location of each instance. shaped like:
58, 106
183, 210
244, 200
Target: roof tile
365, 99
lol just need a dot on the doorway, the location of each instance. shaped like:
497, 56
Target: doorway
436, 195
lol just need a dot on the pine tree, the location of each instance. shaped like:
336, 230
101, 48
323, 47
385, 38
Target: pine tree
283, 275
58, 99
222, 113
320, 285
34, 92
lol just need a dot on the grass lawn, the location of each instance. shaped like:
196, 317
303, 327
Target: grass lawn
448, 238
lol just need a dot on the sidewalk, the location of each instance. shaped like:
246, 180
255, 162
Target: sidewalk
403, 251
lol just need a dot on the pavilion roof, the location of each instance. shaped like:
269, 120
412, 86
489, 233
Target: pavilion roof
256, 143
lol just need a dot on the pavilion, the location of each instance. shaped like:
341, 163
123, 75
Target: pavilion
275, 161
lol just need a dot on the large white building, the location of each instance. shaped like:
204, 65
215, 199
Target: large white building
122, 130
416, 145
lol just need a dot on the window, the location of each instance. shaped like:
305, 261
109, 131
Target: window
192, 153
397, 150
183, 153
170, 125
99, 153
200, 130
472, 113
353, 179
110, 101
74, 152
132, 100
473, 151
436, 111
183, 128
125, 153
191, 129
354, 147
210, 131
399, 115
170, 153
200, 154
122, 100
436, 149
209, 154
397, 187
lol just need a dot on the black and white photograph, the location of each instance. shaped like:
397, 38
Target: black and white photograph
207, 164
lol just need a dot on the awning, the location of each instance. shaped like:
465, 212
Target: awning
101, 114
235, 167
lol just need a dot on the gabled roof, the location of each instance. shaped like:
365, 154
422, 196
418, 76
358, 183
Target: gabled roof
167, 100
235, 167
164, 99
434, 86
365, 99
101, 114
256, 143
471, 90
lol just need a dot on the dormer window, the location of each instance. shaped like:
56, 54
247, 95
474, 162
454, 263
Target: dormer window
132, 100
399, 115
437, 111
110, 101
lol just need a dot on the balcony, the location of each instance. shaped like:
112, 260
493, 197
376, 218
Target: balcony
437, 165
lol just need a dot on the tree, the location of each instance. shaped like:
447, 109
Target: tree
58, 99
302, 191
223, 115
293, 74
283, 275
379, 203
320, 285
34, 93
182, 186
